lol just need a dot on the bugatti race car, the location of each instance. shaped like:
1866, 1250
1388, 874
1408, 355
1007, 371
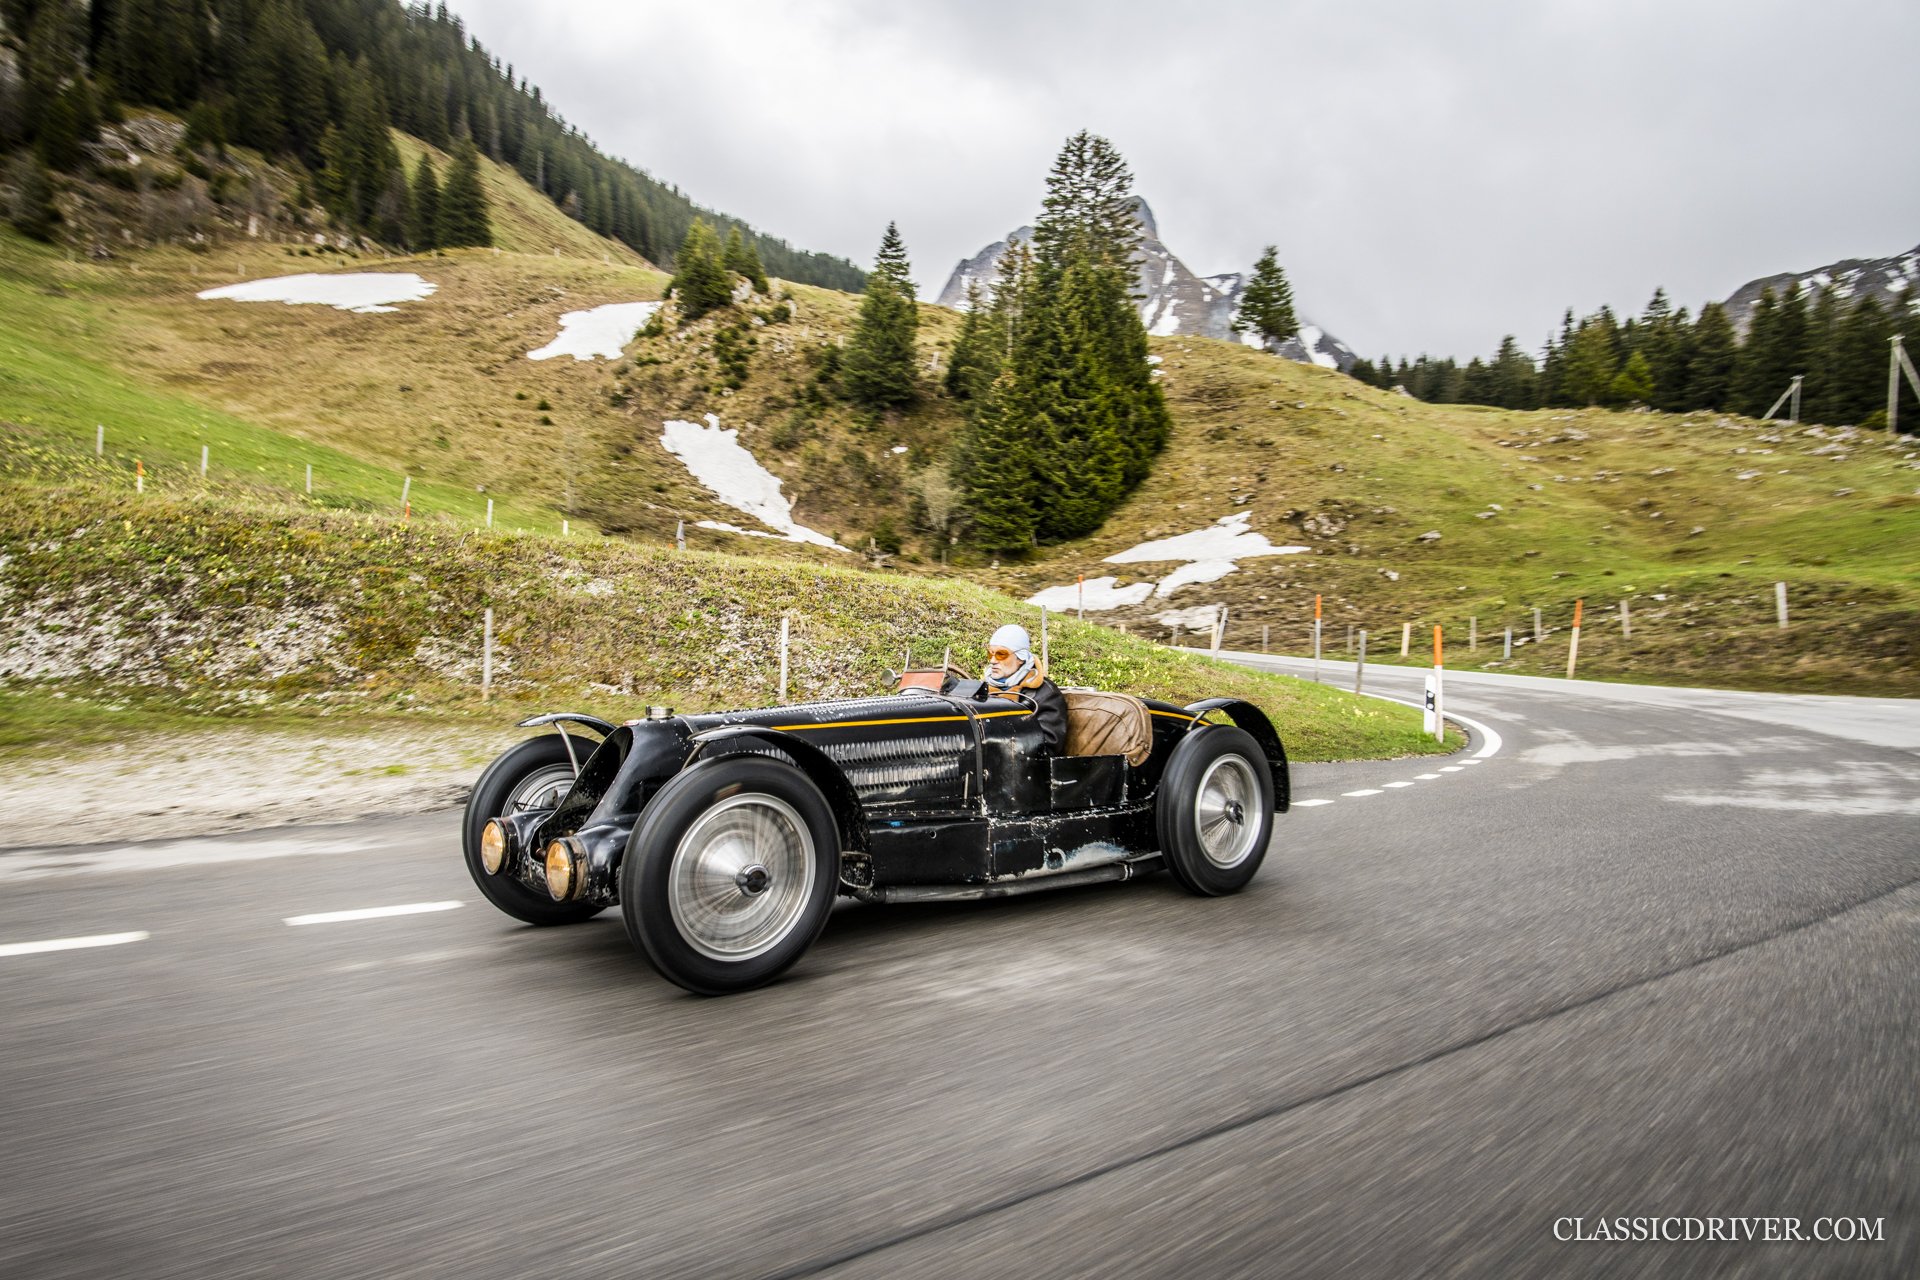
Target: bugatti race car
724, 838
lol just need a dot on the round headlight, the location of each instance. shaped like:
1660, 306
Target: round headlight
493, 846
559, 871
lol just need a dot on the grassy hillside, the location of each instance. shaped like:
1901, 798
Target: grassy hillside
122, 615
1689, 519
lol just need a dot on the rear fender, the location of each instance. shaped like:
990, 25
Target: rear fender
1254, 721
815, 763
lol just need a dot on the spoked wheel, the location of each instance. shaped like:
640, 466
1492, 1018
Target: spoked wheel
731, 874
1215, 812
534, 774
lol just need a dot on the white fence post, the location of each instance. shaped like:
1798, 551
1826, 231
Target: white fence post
486, 659
489, 513
100, 440
1507, 651
1780, 603
785, 621
1406, 638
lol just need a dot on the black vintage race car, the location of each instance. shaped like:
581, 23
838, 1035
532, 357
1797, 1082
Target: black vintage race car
725, 838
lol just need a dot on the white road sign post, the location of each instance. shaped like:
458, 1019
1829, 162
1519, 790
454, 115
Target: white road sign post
1316, 639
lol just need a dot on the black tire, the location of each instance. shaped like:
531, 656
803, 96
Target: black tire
1211, 838
520, 768
706, 924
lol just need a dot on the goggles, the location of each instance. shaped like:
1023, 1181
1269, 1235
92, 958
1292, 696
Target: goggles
1000, 655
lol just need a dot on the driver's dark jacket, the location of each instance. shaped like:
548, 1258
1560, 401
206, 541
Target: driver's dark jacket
1050, 710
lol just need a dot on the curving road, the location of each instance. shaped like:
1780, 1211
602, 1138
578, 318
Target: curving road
1653, 955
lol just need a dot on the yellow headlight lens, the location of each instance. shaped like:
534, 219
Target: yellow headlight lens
493, 846
559, 871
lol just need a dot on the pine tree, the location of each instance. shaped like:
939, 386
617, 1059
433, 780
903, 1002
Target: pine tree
700, 280
1756, 374
1266, 308
1590, 364
877, 368
1634, 383
741, 259
1716, 353
1860, 364
996, 471
33, 213
462, 221
423, 229
1514, 381
974, 362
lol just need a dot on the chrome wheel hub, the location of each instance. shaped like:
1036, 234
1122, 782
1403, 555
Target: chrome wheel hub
741, 877
1227, 815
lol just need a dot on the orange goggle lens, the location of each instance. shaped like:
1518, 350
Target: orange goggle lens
1000, 655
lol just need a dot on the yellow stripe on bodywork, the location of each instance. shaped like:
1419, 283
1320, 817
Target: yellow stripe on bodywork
856, 724
1171, 715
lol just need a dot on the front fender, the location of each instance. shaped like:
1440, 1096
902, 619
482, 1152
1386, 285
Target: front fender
820, 769
1254, 721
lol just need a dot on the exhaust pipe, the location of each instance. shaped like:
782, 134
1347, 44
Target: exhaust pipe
895, 893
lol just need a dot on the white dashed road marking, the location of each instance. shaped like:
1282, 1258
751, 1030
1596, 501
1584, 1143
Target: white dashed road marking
1308, 804
1426, 777
72, 944
1396, 784
1370, 791
372, 913
1449, 768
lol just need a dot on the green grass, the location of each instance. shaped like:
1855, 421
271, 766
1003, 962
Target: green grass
221, 610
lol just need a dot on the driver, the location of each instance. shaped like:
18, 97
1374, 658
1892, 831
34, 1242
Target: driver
1015, 674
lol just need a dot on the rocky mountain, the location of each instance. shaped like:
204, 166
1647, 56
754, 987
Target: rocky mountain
1892, 280
1173, 300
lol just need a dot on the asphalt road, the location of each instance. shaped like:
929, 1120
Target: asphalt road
1643, 956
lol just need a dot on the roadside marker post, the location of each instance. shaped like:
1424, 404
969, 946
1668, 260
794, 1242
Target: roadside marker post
489, 513
1349, 637
1360, 667
785, 622
1507, 651
309, 479
406, 490
1438, 689
1406, 638
100, 440
566, 531
486, 660
1573, 649
1626, 622
203, 462
680, 535
1316, 639
1538, 635
139, 476
1780, 603
1219, 628
406, 514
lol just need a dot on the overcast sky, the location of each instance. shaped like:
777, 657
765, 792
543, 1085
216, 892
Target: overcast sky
1434, 175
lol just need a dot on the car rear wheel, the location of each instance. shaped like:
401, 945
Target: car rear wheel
1215, 811
533, 774
731, 873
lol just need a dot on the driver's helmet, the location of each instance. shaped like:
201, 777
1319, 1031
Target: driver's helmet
1010, 642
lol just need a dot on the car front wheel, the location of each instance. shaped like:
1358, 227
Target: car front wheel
731, 873
533, 774
1215, 811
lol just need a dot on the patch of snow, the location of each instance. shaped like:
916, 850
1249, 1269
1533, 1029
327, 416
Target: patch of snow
714, 456
899, 448
602, 332
1101, 593
1227, 538
1199, 618
1169, 320
1155, 359
1249, 338
1198, 571
359, 291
